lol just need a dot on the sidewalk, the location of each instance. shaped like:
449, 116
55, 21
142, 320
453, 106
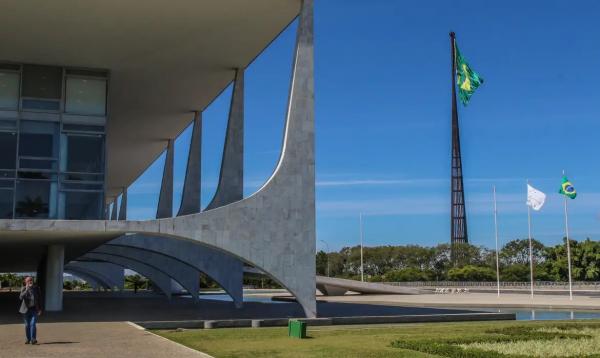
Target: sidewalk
94, 339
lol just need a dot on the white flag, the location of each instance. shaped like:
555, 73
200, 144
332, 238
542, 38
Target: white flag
535, 198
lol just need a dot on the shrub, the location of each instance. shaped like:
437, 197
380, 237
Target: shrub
471, 273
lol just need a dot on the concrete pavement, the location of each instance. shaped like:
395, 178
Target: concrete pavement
93, 339
475, 300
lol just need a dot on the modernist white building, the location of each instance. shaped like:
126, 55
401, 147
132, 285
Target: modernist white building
91, 93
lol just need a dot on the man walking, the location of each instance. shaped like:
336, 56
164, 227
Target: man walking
30, 308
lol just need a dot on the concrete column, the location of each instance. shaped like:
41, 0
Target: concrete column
165, 200
113, 214
123, 208
190, 198
55, 261
231, 178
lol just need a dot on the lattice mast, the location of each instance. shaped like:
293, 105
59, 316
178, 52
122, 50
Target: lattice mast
458, 214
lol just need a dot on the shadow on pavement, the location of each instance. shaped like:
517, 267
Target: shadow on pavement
108, 307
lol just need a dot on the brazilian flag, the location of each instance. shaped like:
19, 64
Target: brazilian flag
466, 79
567, 189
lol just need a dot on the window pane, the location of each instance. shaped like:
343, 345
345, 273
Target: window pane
37, 175
6, 204
83, 206
7, 184
33, 198
8, 150
41, 105
8, 124
38, 139
86, 96
9, 90
85, 153
42, 81
45, 164
7, 174
82, 128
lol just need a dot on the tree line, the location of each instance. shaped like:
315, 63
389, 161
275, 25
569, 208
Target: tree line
469, 263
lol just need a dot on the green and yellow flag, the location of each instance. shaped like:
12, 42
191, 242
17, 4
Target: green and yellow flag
466, 79
567, 189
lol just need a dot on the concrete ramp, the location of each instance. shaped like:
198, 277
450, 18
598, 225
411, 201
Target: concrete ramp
330, 286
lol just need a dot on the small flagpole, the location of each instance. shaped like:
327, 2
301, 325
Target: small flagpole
530, 246
568, 246
496, 232
362, 269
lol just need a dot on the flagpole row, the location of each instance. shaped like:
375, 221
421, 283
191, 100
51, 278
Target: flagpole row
568, 240
496, 232
568, 250
362, 267
530, 247
530, 250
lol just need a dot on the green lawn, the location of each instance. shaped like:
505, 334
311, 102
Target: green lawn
468, 339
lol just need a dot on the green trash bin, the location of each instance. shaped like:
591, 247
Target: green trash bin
297, 329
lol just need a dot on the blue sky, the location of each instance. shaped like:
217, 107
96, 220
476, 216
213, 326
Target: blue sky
382, 86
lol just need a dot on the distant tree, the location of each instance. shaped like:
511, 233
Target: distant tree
466, 254
322, 259
68, 285
135, 282
515, 273
517, 252
409, 274
471, 273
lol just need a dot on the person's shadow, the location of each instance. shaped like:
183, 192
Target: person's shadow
57, 342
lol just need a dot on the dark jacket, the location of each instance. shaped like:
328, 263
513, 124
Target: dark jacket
30, 299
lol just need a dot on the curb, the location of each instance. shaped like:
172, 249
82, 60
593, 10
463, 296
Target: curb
330, 321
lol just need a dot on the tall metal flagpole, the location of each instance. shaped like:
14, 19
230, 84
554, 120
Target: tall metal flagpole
530, 246
496, 231
458, 213
362, 268
568, 246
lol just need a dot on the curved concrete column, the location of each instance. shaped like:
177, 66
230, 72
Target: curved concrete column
123, 208
231, 176
190, 197
165, 199
158, 278
113, 213
84, 267
185, 275
224, 269
114, 273
274, 229
106, 281
95, 282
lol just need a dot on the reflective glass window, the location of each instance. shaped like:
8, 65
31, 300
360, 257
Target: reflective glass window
6, 204
9, 90
33, 199
83, 206
86, 96
42, 81
85, 154
8, 150
38, 139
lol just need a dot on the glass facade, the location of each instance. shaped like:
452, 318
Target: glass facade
9, 90
86, 96
52, 142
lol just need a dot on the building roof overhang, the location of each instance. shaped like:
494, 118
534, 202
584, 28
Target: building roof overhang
165, 59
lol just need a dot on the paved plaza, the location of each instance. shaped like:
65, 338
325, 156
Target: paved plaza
91, 339
108, 307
